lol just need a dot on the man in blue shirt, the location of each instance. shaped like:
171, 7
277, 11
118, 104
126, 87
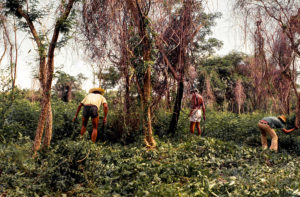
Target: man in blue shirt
267, 126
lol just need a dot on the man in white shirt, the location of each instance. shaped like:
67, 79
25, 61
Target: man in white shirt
92, 103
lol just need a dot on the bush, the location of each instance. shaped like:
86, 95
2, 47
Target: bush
63, 126
20, 119
242, 129
195, 167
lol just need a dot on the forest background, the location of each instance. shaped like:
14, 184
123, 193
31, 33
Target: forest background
148, 55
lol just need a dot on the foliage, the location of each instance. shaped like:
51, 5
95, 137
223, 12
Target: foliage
22, 116
20, 119
110, 78
242, 129
223, 73
192, 166
227, 126
63, 126
66, 85
228, 160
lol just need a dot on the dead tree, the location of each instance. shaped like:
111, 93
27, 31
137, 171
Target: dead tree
276, 15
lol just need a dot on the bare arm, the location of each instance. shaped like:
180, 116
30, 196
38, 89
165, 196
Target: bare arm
290, 130
105, 109
203, 110
78, 110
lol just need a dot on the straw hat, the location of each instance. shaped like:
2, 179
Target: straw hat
97, 90
283, 118
194, 90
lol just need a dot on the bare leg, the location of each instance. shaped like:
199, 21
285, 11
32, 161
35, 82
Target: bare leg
84, 124
198, 128
95, 122
192, 127
274, 143
263, 135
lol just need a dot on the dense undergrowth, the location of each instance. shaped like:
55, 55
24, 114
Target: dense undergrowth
194, 167
226, 161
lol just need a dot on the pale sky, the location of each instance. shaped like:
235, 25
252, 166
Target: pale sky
226, 30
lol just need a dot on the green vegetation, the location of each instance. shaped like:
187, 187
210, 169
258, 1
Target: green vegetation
193, 167
226, 161
148, 57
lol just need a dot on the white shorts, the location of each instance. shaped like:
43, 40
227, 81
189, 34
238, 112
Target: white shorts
196, 116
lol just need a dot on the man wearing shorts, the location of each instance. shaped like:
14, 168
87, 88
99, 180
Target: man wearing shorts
92, 103
267, 126
195, 115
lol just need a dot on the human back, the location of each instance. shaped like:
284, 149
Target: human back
94, 99
274, 122
197, 101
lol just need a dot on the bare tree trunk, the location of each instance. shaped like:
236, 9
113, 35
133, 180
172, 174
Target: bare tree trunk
46, 74
50, 70
141, 23
149, 140
168, 104
11, 46
48, 128
41, 123
16, 58
5, 48
177, 107
127, 96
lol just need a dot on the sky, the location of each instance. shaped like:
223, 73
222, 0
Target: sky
226, 30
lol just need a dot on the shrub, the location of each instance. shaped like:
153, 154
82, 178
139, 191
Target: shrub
195, 167
63, 126
20, 119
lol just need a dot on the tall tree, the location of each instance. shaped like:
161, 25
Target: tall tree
179, 39
29, 14
3, 36
274, 15
10, 28
118, 16
139, 12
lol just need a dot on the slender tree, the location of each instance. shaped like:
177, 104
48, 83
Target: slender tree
28, 14
139, 13
116, 19
180, 44
239, 95
3, 37
10, 41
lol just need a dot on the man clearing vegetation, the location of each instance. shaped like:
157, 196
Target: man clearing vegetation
92, 103
267, 126
195, 115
